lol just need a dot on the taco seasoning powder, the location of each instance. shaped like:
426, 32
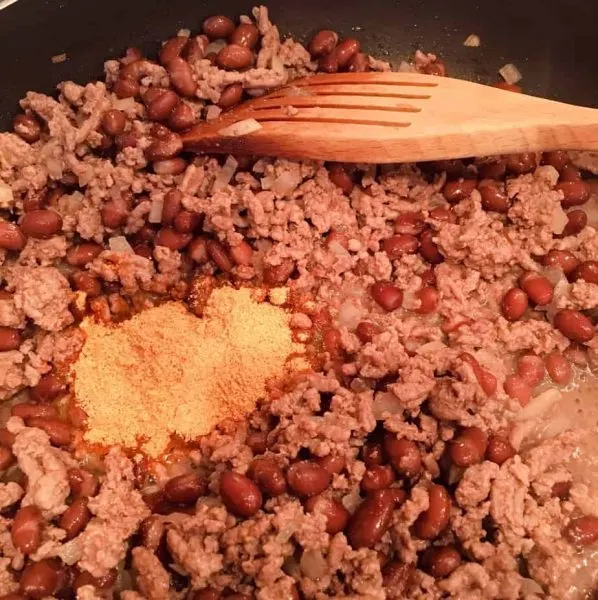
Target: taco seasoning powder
166, 371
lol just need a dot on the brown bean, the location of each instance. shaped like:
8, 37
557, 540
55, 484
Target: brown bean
26, 410
403, 454
172, 239
82, 254
160, 103
197, 250
337, 516
125, 87
152, 531
460, 189
575, 193
234, 57
83, 484
443, 214
387, 295
75, 518
574, 325
240, 495
185, 489
558, 368
521, 163
339, 176
328, 63
486, 380
441, 562
196, 47
428, 300
435, 68
58, 431
218, 27
514, 304
170, 166
332, 463
588, 271
172, 49
166, 144
359, 63
10, 339
230, 95
27, 527
561, 259
576, 222
428, 277
492, 169
113, 122
433, 521
182, 117
268, 476
186, 221
409, 223
429, 249
371, 519
323, 43
499, 449
75, 415
494, 198
171, 206
339, 237
569, 173
101, 583
208, 594
246, 34
557, 159
346, 50
582, 531
40, 579
516, 387
181, 77
399, 245
219, 255
279, 274
395, 576
6, 458
372, 454
27, 127
242, 253
468, 447
366, 331
114, 214
257, 441
531, 368
11, 236
377, 478
537, 287
7, 439
307, 478
41, 223
48, 388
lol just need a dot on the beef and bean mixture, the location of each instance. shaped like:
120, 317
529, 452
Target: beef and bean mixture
451, 306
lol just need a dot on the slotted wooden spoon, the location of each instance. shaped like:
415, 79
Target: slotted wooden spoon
396, 117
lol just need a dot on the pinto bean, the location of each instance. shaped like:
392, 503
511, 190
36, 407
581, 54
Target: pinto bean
113, 122
171, 206
101, 583
441, 562
165, 144
516, 387
234, 57
575, 193
170, 166
27, 527
181, 77
83, 484
435, 68
443, 214
492, 169
40, 579
468, 447
403, 454
366, 331
494, 198
521, 163
240, 495
588, 271
537, 287
332, 463
460, 189
561, 259
569, 173
7, 439
337, 516
387, 295
27, 411
307, 478
160, 103
41, 223
58, 431
431, 523
125, 87
372, 454
328, 63
185, 489
377, 478
242, 253
219, 255
48, 388
557, 159
341, 178
197, 250
576, 222
27, 127
10, 339
346, 50
11, 236
230, 95
268, 476
531, 368
152, 531
82, 254
582, 531
558, 368
114, 214
246, 34
218, 27
574, 325
499, 449
172, 239
257, 441
75, 518
186, 221
486, 380
181, 117
279, 274
371, 519
323, 43
428, 300
429, 249
359, 63
172, 49
6, 458
399, 245
514, 304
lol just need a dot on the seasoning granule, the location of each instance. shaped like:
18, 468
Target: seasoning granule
166, 371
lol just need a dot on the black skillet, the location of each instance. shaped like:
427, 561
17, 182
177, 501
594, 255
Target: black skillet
552, 42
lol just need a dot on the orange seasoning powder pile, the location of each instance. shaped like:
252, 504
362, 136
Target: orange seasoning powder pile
166, 371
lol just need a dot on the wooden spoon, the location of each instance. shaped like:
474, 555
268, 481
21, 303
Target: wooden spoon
394, 117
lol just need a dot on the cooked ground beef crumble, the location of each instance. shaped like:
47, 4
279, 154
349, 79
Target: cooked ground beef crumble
410, 463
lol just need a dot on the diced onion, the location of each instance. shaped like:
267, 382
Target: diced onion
184, 33
286, 183
119, 243
59, 58
277, 64
559, 220
510, 73
124, 104
352, 500
472, 41
349, 315
313, 565
267, 182
406, 67
215, 47
155, 214
213, 112
225, 174
243, 127
385, 403
539, 405
6, 197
